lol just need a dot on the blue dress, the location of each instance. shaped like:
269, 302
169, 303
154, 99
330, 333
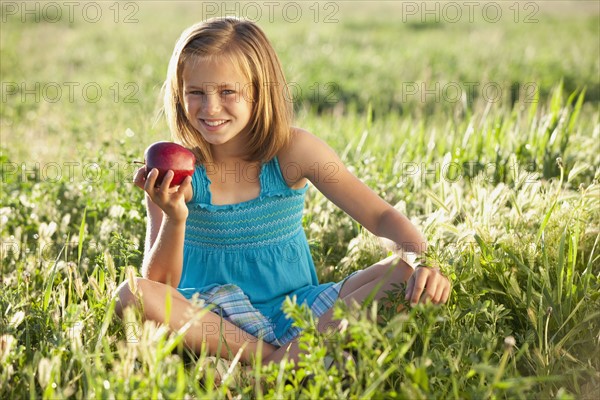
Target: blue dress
246, 258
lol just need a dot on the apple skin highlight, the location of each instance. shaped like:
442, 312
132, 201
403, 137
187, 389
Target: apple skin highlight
165, 156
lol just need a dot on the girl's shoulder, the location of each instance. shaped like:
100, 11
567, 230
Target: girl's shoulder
297, 157
300, 147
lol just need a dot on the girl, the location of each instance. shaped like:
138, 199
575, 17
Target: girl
232, 233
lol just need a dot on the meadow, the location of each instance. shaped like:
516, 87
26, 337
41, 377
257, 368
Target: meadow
482, 125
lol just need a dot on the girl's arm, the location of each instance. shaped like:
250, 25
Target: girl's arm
155, 217
167, 213
325, 170
321, 165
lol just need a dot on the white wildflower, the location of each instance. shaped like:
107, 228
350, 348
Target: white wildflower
16, 319
134, 214
343, 325
509, 342
116, 211
5, 212
106, 228
74, 333
64, 222
44, 372
6, 344
46, 231
25, 201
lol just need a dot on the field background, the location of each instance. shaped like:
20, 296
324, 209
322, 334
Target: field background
503, 181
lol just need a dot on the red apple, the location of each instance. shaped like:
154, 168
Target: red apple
166, 156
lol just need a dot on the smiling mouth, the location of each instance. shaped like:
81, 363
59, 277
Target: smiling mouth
214, 123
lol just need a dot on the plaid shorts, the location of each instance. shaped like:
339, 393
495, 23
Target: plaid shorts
232, 304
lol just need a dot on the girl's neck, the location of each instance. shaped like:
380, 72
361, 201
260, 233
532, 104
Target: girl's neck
228, 157
232, 151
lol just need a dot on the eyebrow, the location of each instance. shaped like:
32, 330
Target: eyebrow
213, 84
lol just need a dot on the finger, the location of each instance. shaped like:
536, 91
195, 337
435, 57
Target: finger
151, 180
439, 292
138, 175
178, 191
431, 287
420, 280
446, 294
187, 183
444, 289
166, 182
139, 178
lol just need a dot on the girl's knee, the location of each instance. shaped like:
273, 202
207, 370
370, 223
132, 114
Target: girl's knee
146, 292
127, 295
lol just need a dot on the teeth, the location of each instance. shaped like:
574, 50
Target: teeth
215, 123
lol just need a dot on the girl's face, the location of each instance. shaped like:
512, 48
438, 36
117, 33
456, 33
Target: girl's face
217, 100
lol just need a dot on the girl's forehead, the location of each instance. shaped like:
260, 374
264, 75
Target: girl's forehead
225, 68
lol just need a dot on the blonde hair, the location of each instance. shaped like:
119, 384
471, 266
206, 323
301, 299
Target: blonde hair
244, 43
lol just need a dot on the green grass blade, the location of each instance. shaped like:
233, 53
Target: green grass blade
556, 101
50, 282
544, 222
377, 383
108, 314
560, 268
81, 236
576, 111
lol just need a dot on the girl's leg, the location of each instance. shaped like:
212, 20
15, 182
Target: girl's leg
209, 330
381, 276
373, 281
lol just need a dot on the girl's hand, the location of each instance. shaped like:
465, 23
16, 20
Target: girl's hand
427, 284
170, 200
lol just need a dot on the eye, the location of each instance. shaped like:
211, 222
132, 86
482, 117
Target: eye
195, 92
227, 92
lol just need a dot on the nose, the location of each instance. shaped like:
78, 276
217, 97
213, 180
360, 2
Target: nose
211, 104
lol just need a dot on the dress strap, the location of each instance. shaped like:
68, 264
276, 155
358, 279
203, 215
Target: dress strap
271, 179
200, 186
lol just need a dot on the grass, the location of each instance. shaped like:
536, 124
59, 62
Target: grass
506, 192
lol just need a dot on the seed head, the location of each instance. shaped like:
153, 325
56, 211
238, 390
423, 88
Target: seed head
509, 343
